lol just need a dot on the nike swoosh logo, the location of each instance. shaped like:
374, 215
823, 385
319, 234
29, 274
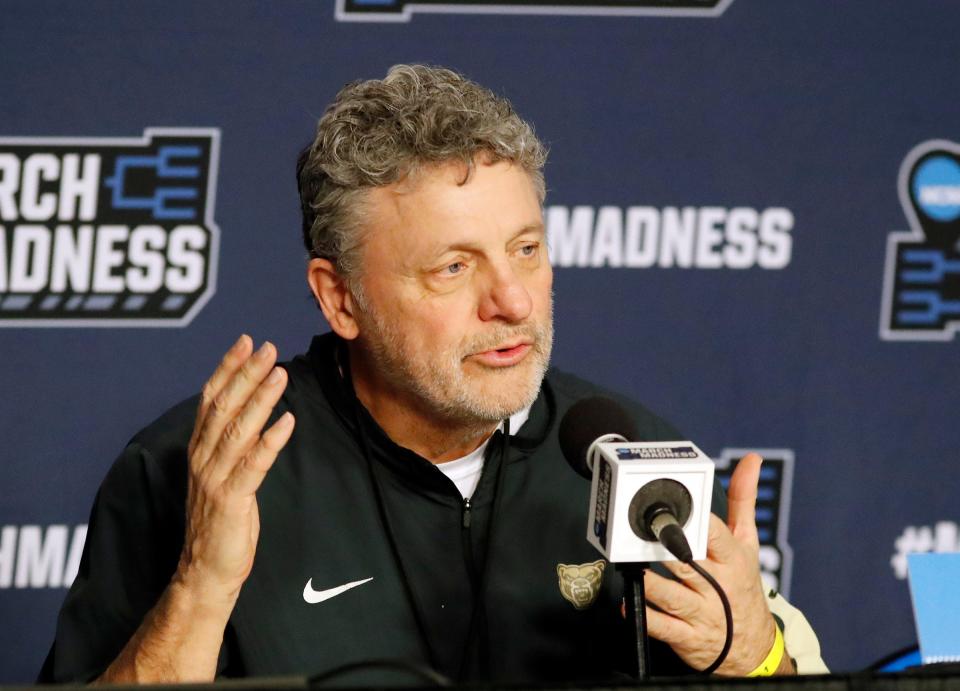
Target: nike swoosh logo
312, 596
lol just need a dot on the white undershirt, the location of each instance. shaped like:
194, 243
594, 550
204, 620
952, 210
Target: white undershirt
465, 471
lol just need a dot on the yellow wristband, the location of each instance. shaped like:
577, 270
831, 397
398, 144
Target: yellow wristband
773, 659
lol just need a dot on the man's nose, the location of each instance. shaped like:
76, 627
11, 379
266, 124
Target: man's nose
505, 296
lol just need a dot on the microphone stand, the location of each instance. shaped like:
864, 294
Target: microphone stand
636, 603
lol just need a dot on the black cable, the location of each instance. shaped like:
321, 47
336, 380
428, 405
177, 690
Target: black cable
670, 535
416, 669
727, 612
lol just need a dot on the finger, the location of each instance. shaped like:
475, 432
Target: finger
668, 629
246, 476
742, 498
231, 399
231, 362
688, 576
671, 597
235, 356
243, 431
722, 546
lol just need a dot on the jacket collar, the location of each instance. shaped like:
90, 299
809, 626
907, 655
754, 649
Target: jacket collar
328, 360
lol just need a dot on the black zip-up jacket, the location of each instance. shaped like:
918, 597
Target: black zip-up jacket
470, 588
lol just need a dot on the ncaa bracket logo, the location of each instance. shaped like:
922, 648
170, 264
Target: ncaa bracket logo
402, 10
921, 280
108, 231
773, 510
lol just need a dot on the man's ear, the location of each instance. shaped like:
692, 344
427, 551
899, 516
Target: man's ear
333, 296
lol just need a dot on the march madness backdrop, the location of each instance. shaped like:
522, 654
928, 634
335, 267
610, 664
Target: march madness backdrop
753, 209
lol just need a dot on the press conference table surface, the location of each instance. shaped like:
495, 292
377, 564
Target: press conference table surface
929, 679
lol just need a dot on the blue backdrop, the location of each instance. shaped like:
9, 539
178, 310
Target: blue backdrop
753, 213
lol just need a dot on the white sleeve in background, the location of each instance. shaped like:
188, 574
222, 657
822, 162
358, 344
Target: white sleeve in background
798, 636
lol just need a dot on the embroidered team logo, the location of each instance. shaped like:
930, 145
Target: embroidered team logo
921, 281
580, 583
110, 231
402, 10
773, 510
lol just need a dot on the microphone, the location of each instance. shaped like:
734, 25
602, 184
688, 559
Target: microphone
658, 512
666, 488
649, 501
588, 422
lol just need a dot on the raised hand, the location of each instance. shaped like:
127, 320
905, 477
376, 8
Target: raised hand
688, 614
228, 459
229, 455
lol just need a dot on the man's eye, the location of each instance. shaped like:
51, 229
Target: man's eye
455, 268
529, 250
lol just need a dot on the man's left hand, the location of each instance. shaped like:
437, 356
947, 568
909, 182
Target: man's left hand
689, 616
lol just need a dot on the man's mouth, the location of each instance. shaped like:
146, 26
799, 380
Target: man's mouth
504, 355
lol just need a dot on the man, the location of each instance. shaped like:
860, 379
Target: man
406, 469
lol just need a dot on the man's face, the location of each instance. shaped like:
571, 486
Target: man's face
457, 317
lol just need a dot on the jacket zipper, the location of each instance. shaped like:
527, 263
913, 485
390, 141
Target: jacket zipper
466, 661
467, 543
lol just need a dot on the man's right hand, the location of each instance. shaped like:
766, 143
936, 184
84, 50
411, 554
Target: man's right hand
228, 459
180, 638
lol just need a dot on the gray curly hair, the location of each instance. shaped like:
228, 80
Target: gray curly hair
378, 132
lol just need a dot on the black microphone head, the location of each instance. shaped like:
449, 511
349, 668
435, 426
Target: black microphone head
588, 419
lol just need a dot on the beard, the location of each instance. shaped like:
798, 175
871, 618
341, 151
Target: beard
442, 383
